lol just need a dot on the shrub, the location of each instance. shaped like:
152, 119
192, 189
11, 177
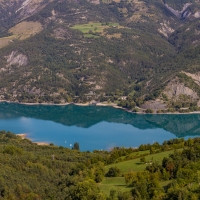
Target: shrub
113, 172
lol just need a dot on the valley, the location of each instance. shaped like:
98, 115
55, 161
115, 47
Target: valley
99, 99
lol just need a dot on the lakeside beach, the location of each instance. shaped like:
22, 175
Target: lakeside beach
24, 136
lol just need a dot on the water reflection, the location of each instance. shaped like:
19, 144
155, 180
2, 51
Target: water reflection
92, 124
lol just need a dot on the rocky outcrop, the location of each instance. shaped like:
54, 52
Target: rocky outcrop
197, 14
174, 89
16, 58
165, 29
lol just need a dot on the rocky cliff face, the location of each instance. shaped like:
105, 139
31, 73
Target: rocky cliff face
17, 59
174, 89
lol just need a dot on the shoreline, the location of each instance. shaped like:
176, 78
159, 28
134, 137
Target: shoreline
24, 136
97, 104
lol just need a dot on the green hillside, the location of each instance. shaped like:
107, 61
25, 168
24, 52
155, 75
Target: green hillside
31, 171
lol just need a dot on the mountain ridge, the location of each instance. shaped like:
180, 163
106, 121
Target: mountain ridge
78, 51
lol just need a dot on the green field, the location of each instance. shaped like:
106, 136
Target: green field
133, 155
135, 165
116, 183
91, 28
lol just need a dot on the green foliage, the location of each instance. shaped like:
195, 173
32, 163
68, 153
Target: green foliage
113, 172
143, 159
149, 111
12, 150
135, 165
116, 183
181, 166
76, 146
127, 104
85, 190
29, 171
189, 82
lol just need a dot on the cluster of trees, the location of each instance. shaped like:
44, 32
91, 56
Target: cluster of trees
29, 171
176, 143
181, 169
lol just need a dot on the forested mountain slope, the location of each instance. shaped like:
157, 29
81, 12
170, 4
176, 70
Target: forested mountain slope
78, 51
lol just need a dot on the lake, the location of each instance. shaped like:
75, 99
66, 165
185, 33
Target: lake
95, 127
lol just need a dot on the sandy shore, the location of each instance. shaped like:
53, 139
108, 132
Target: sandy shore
24, 136
42, 143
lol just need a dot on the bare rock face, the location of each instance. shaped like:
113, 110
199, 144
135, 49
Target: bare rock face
174, 89
197, 14
16, 58
165, 29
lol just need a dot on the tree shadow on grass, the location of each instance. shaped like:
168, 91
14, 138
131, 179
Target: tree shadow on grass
120, 185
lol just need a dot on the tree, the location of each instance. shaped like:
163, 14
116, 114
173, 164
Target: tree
85, 190
113, 172
143, 159
76, 146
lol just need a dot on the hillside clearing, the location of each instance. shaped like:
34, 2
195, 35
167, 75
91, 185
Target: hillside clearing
136, 165
92, 28
21, 31
25, 29
115, 183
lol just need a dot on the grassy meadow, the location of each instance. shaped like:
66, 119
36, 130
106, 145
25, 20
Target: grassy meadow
21, 31
116, 183
133, 165
92, 28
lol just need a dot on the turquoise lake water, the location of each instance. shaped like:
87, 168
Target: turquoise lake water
95, 127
